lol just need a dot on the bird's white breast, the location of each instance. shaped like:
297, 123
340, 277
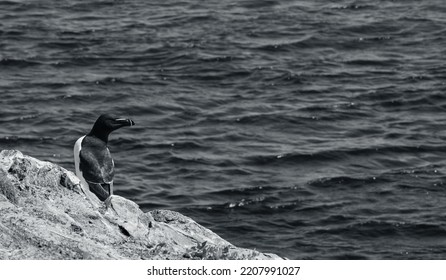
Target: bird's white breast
77, 150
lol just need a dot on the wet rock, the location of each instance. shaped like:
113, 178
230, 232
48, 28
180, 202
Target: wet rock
44, 214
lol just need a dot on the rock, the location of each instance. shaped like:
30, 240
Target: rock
44, 214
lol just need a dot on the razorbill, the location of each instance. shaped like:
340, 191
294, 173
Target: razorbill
93, 162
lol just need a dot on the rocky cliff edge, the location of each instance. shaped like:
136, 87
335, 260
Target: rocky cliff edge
44, 214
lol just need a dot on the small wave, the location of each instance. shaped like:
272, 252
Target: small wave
16, 140
338, 219
12, 33
18, 118
10, 3
248, 191
245, 202
212, 163
354, 7
372, 229
271, 118
345, 181
336, 155
189, 145
214, 74
88, 7
219, 58
277, 46
16, 62
421, 170
61, 44
259, 4
375, 38
376, 62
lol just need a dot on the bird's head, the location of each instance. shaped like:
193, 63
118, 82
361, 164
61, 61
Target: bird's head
106, 124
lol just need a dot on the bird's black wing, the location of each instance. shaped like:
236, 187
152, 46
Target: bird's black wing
96, 166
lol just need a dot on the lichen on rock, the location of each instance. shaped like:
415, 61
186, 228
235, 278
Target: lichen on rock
44, 214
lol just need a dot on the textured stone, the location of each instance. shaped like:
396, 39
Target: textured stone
44, 214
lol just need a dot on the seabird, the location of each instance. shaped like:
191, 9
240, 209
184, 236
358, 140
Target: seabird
93, 162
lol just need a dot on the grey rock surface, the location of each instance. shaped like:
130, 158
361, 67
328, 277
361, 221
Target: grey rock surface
44, 214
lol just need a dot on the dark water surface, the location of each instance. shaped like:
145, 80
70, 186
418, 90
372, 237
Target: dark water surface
311, 129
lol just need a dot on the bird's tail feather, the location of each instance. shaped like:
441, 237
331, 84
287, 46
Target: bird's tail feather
102, 191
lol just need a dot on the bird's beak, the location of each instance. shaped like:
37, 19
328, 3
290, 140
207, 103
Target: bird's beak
125, 122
